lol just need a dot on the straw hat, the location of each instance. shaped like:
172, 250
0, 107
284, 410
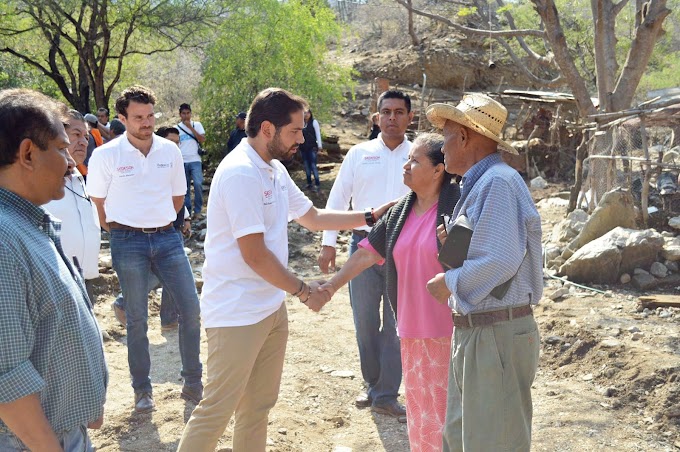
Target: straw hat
477, 112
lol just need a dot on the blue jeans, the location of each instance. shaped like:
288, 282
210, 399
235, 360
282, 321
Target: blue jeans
309, 160
194, 174
136, 255
75, 440
379, 350
168, 310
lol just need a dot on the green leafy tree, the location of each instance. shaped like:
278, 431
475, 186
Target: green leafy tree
264, 43
81, 46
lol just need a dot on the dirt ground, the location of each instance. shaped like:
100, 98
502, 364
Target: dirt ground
599, 386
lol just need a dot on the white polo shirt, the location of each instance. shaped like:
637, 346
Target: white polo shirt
138, 189
247, 196
80, 231
370, 175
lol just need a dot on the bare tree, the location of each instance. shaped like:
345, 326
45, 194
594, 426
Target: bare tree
82, 45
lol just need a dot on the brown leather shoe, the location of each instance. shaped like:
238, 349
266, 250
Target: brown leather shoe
144, 402
394, 409
120, 314
363, 401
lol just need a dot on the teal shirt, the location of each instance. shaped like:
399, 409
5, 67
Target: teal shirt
50, 343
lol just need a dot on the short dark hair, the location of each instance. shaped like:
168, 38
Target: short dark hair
117, 127
27, 114
137, 93
274, 105
73, 115
395, 94
165, 131
184, 107
103, 110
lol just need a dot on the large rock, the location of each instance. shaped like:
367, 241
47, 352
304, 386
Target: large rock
644, 281
615, 209
638, 248
567, 229
619, 251
671, 249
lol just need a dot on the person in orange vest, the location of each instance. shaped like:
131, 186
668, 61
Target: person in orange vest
94, 131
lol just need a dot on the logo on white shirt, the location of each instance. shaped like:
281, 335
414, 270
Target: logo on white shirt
268, 197
126, 171
371, 160
164, 165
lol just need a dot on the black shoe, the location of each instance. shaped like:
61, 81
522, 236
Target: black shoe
192, 393
363, 400
394, 409
144, 402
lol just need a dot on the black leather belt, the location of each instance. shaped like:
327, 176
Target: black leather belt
490, 317
114, 225
360, 233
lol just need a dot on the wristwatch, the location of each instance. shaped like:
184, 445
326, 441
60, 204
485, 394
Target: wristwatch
370, 219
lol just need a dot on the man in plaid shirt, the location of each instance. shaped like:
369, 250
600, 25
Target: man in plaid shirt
53, 375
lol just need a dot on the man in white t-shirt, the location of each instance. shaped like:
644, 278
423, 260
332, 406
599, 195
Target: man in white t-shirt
245, 274
370, 175
80, 230
137, 183
191, 136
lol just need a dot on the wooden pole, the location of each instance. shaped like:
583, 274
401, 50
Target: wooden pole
647, 174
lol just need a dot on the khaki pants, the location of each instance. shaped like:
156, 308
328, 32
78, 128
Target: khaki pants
489, 396
244, 374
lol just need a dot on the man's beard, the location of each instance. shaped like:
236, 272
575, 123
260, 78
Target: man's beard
278, 151
141, 134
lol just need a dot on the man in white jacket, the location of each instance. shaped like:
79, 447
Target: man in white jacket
80, 230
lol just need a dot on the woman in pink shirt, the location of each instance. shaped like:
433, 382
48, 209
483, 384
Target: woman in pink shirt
405, 239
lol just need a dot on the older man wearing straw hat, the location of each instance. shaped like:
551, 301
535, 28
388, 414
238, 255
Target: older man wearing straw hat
495, 340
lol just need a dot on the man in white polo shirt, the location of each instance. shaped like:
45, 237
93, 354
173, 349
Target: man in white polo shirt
137, 183
252, 199
370, 175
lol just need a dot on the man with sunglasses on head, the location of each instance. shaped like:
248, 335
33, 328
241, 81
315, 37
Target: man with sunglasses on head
80, 229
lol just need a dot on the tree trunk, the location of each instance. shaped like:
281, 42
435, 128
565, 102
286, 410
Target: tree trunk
639, 54
581, 154
547, 10
411, 31
604, 16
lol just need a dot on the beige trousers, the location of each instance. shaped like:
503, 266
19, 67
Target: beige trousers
244, 374
489, 397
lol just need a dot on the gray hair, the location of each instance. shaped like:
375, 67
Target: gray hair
73, 115
433, 143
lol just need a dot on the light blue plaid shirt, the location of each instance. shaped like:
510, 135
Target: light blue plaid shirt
50, 343
506, 224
